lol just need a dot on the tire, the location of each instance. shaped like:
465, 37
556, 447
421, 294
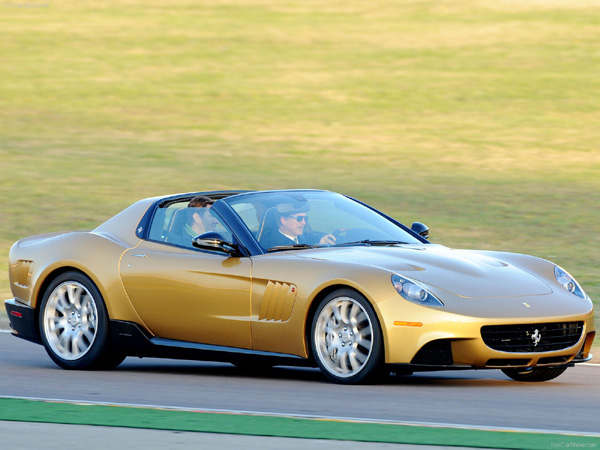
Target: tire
346, 339
534, 373
74, 324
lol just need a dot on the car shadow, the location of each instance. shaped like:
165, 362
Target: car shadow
225, 370
467, 378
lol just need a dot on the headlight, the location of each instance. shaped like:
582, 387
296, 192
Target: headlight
568, 282
414, 292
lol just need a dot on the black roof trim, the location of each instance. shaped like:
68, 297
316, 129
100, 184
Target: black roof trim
217, 195
142, 229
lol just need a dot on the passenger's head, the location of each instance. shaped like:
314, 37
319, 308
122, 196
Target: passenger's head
201, 219
200, 201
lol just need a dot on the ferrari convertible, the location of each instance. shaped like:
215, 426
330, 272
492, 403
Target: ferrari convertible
291, 277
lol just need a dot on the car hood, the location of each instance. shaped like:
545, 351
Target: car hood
466, 273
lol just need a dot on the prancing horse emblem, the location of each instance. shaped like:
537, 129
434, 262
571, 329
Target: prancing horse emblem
536, 337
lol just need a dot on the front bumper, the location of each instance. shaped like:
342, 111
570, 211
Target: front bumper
23, 321
438, 338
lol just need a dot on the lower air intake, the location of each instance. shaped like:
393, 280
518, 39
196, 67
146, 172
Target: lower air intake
435, 353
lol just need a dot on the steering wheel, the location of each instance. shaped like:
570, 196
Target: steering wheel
340, 232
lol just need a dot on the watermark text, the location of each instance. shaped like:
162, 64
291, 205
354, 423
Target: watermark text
573, 445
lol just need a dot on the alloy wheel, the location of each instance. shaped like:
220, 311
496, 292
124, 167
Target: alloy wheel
70, 321
343, 337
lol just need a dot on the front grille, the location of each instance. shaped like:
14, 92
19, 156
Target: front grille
532, 338
435, 353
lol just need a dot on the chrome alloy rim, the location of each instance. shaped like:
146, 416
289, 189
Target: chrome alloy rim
343, 337
70, 320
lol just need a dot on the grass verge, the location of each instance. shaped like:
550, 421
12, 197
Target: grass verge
257, 425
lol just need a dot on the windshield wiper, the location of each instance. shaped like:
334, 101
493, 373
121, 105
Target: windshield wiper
289, 247
374, 243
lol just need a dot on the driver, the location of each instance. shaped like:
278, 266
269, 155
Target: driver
291, 220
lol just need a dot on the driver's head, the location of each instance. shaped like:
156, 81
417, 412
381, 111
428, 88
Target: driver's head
292, 218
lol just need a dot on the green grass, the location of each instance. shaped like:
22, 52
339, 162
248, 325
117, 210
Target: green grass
478, 118
201, 421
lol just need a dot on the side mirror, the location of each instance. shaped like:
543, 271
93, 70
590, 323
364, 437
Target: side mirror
215, 242
421, 229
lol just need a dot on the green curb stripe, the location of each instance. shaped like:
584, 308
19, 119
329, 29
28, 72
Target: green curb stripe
231, 423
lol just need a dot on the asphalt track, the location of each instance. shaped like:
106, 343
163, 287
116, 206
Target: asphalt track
472, 399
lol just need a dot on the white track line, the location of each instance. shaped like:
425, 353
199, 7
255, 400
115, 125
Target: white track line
310, 416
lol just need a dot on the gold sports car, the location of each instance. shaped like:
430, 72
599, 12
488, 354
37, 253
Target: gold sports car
291, 277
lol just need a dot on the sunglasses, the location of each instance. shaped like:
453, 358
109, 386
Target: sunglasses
299, 218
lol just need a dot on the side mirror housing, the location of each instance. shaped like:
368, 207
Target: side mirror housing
421, 229
214, 241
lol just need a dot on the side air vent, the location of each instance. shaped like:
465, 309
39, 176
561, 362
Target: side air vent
278, 302
21, 273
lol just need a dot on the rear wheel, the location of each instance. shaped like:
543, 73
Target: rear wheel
534, 373
346, 338
74, 324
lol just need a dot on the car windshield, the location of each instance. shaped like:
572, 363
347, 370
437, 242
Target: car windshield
282, 220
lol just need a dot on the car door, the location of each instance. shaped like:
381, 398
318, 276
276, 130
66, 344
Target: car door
190, 295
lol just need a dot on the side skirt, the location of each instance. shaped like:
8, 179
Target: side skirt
130, 339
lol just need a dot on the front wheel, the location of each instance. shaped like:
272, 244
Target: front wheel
346, 338
534, 373
74, 324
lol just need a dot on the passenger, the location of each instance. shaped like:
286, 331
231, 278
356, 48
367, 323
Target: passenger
199, 220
